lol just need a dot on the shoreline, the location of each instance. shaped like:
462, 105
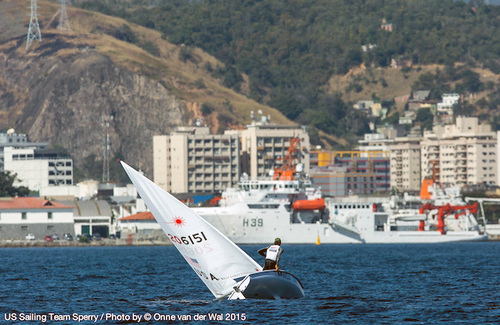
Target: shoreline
112, 243
63, 243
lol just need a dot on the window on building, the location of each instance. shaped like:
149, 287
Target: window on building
50, 216
24, 216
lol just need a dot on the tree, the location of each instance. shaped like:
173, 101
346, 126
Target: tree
286, 103
425, 117
470, 83
7, 188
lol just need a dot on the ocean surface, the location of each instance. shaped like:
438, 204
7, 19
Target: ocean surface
455, 283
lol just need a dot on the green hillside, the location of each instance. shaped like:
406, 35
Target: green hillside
286, 53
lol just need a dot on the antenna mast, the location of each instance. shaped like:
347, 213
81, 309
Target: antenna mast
63, 17
34, 28
106, 148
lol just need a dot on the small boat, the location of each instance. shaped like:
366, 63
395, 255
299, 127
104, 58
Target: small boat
226, 270
315, 204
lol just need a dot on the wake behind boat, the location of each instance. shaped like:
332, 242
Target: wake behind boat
225, 269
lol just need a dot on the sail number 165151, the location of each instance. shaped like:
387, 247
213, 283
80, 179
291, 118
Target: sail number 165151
189, 240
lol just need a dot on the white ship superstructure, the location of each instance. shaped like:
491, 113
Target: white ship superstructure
260, 210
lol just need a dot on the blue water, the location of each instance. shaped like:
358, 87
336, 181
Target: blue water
358, 284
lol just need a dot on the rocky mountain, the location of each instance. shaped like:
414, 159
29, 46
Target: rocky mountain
61, 90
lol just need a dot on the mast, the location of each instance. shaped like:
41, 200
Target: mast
106, 146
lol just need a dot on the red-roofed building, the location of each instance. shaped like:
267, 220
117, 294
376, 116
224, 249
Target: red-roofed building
142, 223
20, 216
141, 216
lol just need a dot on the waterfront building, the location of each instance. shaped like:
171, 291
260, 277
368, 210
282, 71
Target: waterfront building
91, 217
460, 154
90, 189
12, 139
354, 172
377, 141
38, 168
265, 144
367, 172
141, 227
85, 190
20, 216
320, 158
141, 223
192, 160
331, 179
405, 164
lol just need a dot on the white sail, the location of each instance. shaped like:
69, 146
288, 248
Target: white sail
215, 259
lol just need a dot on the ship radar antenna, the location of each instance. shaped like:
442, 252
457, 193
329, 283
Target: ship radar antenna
34, 28
63, 18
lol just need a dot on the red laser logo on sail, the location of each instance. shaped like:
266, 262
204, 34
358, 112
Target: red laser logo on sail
178, 221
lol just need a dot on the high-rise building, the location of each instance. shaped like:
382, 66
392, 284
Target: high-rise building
405, 164
354, 172
263, 146
464, 153
191, 160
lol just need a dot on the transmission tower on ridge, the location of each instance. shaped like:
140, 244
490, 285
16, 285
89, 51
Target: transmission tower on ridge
106, 146
63, 17
34, 29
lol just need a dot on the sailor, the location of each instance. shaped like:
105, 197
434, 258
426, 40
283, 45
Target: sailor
272, 255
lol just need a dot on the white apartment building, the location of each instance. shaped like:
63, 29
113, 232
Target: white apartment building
463, 154
405, 164
262, 145
375, 142
191, 160
448, 101
37, 169
12, 139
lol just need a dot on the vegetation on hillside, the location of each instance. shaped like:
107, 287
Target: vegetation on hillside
290, 49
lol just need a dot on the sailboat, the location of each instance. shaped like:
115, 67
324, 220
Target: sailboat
226, 270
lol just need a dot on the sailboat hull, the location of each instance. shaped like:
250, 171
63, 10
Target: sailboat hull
273, 285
